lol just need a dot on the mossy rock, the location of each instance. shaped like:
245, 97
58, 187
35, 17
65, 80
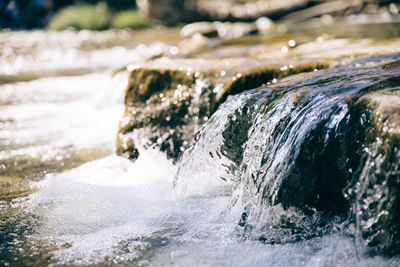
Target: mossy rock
82, 16
344, 165
167, 100
129, 19
375, 189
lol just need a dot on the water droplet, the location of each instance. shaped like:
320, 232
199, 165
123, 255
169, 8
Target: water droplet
174, 50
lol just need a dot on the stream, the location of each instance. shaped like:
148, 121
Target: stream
68, 199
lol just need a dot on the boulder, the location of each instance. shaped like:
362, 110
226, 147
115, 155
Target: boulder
374, 190
167, 11
324, 154
167, 100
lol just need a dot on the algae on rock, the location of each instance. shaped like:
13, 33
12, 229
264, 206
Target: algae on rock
167, 100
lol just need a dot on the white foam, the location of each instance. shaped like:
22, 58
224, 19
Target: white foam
122, 211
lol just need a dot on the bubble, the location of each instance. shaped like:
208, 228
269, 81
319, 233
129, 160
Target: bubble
174, 50
292, 43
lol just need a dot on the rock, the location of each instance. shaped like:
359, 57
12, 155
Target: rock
223, 30
328, 8
206, 29
317, 142
375, 188
167, 11
264, 25
306, 154
228, 30
12, 187
251, 10
195, 43
167, 100
342, 163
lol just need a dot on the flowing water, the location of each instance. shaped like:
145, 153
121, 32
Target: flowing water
67, 199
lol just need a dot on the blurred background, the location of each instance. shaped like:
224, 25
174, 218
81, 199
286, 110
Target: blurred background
105, 14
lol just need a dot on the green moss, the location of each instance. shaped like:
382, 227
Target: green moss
91, 17
146, 82
382, 139
130, 19
257, 76
145, 109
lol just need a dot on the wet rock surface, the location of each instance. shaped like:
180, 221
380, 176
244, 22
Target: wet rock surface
374, 187
321, 146
346, 165
168, 100
318, 140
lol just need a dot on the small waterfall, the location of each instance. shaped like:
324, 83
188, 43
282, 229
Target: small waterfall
374, 186
204, 156
299, 158
310, 163
268, 174
251, 143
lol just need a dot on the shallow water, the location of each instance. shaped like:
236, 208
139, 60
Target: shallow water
66, 199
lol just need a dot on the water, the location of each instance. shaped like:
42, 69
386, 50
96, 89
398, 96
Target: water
66, 199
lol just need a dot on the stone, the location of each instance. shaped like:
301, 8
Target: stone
375, 189
204, 28
167, 100
264, 25
223, 30
167, 11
